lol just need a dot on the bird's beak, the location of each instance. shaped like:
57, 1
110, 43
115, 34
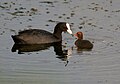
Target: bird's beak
75, 35
68, 29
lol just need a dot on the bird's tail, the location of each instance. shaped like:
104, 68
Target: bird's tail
17, 40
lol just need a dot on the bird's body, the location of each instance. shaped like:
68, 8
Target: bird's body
34, 36
38, 36
82, 44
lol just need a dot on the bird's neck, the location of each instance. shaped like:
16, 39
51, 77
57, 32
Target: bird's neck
80, 37
58, 34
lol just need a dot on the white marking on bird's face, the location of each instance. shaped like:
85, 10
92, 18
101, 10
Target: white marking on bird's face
68, 28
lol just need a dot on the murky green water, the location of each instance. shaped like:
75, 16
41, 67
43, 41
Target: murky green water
97, 19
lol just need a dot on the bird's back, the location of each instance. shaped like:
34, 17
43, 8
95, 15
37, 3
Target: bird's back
83, 44
34, 36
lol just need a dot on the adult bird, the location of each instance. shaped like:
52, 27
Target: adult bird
38, 36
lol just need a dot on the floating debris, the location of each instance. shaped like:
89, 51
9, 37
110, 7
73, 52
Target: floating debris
72, 14
106, 10
48, 2
63, 14
20, 12
116, 11
68, 17
66, 2
2, 32
29, 26
34, 9
80, 27
96, 8
100, 27
2, 7
111, 1
60, 17
82, 23
29, 20
51, 21
89, 23
6, 5
22, 8
17, 13
20, 22
13, 31
46, 25
94, 25
48, 12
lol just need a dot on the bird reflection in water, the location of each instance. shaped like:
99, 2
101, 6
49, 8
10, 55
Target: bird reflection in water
61, 54
64, 55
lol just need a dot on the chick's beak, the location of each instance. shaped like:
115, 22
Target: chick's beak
75, 35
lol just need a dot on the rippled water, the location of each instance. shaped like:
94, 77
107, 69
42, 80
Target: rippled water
98, 20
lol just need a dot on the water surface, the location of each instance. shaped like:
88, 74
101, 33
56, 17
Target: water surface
98, 20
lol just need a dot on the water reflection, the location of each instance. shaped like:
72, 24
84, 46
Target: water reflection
61, 53
22, 48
